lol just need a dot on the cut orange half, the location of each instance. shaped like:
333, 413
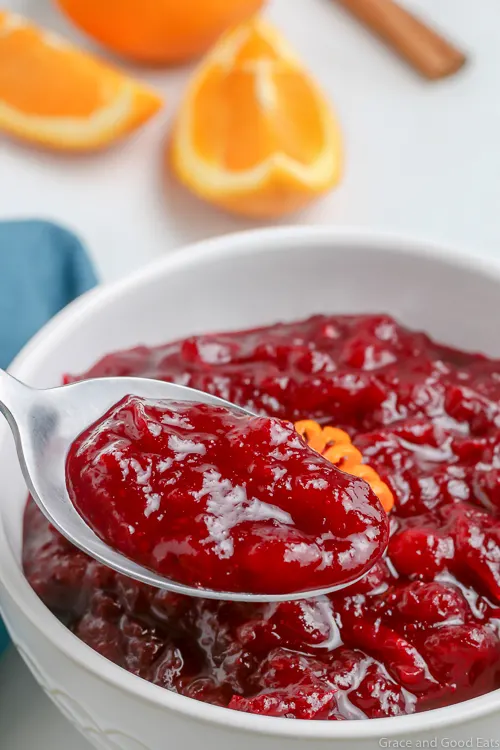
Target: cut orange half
57, 96
254, 134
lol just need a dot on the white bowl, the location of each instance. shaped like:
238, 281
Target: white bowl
233, 282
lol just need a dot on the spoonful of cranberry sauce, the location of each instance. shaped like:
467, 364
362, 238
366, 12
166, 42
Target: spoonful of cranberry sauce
223, 500
186, 492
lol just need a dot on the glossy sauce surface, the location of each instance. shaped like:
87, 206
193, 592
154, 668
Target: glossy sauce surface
422, 630
220, 500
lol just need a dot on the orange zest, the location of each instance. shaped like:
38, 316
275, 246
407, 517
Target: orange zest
158, 31
336, 446
60, 97
254, 134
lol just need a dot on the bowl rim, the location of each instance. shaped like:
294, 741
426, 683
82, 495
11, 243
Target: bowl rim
19, 590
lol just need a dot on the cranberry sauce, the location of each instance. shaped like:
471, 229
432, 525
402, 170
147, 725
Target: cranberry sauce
422, 629
218, 499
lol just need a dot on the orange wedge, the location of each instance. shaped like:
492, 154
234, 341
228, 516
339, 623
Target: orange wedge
57, 96
254, 134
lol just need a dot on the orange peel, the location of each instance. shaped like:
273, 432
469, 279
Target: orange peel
336, 446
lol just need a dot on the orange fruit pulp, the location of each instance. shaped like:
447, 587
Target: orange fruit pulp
254, 134
60, 97
158, 31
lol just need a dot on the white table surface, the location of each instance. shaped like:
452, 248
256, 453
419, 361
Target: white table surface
423, 159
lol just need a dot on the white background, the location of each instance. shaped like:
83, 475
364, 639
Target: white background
423, 159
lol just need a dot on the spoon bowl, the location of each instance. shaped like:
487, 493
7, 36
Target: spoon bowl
46, 422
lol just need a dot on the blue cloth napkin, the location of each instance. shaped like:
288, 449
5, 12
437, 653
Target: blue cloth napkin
43, 267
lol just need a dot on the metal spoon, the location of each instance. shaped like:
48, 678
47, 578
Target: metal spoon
45, 423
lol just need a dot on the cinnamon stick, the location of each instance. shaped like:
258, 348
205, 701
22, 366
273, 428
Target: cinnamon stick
424, 48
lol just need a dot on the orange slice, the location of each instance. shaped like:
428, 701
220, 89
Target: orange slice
254, 134
57, 96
